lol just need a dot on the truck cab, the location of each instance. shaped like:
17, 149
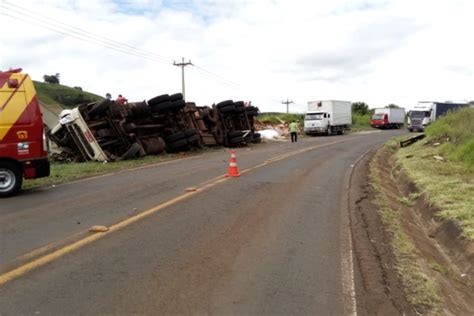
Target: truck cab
379, 120
23, 147
316, 122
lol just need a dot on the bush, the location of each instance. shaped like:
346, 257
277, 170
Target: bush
456, 130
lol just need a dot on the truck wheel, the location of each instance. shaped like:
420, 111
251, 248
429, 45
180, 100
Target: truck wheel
175, 137
11, 178
234, 134
194, 139
224, 103
178, 104
158, 99
191, 132
218, 135
210, 115
227, 109
180, 143
176, 97
235, 141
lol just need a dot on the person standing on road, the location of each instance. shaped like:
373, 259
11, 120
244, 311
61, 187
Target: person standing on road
294, 131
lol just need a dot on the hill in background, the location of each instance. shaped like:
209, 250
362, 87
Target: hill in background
55, 97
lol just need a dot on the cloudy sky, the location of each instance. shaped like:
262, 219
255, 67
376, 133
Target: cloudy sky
376, 51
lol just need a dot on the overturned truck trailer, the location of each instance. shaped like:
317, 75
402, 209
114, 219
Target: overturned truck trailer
110, 131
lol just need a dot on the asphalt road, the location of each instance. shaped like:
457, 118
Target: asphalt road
273, 241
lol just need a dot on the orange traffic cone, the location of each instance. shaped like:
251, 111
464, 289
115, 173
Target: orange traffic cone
233, 170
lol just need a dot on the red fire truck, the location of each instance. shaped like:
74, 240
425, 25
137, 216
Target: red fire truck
23, 149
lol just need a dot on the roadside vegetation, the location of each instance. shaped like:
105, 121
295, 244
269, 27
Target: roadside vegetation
421, 289
275, 118
442, 167
54, 94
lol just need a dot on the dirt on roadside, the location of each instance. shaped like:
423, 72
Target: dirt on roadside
448, 258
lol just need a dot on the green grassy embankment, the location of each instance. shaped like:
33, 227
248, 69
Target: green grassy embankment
448, 184
54, 95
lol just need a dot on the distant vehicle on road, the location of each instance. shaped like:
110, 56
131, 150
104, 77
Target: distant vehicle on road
23, 147
328, 117
425, 113
388, 118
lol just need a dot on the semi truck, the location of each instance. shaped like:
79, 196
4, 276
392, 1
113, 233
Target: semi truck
388, 118
23, 146
424, 113
328, 117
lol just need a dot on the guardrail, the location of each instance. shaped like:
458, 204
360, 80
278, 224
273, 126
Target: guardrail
411, 140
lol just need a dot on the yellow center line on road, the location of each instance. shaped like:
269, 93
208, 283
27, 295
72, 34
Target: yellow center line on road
21, 270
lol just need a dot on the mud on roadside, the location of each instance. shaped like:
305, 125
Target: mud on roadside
442, 255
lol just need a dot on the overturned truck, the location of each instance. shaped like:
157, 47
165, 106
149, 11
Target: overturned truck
110, 131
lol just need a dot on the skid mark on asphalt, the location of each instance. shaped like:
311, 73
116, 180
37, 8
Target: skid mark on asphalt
21, 270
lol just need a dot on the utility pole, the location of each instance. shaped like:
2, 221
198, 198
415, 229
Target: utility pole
182, 64
287, 102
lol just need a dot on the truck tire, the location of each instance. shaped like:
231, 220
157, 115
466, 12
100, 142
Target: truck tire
191, 132
224, 103
227, 109
161, 107
175, 137
238, 104
11, 178
158, 99
234, 134
236, 141
218, 135
209, 115
176, 97
178, 104
179, 144
194, 139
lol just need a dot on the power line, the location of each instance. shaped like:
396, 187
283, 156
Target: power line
287, 102
216, 76
79, 31
86, 36
182, 65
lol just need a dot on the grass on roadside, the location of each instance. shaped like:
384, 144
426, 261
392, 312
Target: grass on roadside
448, 184
421, 290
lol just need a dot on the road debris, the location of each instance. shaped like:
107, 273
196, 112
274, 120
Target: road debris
98, 229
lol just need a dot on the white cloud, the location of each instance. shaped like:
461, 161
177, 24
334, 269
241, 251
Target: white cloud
379, 52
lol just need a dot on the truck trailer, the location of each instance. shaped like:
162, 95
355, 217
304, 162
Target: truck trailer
328, 117
23, 146
425, 113
388, 118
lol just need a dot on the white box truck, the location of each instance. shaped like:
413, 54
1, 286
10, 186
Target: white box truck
388, 118
328, 117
